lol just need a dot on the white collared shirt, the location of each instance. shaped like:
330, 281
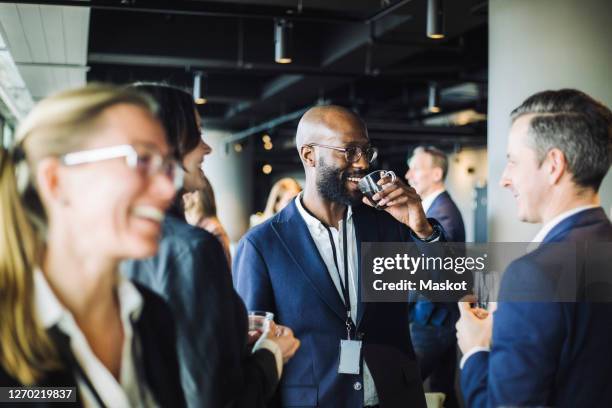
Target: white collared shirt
537, 239
426, 202
130, 391
320, 236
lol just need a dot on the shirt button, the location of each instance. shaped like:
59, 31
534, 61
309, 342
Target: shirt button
357, 386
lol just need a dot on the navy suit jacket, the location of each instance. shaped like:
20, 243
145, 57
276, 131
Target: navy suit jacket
445, 211
278, 268
546, 353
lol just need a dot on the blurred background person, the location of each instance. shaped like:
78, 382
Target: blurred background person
218, 367
433, 324
281, 194
427, 170
201, 211
95, 176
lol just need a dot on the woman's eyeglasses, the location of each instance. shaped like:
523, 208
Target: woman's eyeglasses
353, 153
148, 162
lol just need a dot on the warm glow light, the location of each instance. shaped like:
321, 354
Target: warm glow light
434, 109
266, 138
284, 60
238, 147
268, 146
266, 169
200, 101
436, 36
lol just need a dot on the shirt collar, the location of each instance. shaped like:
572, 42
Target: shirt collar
557, 220
311, 221
428, 201
51, 312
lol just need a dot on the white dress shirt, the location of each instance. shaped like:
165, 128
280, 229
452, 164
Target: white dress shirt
426, 202
130, 391
537, 239
320, 237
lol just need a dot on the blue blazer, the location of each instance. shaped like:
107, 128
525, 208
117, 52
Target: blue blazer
278, 268
425, 312
445, 211
546, 354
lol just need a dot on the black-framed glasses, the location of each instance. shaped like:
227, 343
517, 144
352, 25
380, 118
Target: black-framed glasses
353, 153
147, 161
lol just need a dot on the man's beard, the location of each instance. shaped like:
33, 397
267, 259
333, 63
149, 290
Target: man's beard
331, 184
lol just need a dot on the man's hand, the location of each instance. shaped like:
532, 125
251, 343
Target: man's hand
404, 204
474, 327
284, 339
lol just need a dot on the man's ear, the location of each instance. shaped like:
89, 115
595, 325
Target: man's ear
557, 165
437, 174
307, 154
48, 181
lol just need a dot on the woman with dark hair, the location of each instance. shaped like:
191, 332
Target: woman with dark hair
201, 211
92, 159
218, 366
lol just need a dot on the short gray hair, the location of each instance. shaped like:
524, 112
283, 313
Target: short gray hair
438, 157
576, 124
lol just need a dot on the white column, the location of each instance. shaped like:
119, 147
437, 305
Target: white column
230, 176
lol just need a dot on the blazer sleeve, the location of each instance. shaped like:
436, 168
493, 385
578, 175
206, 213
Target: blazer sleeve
251, 277
474, 376
526, 345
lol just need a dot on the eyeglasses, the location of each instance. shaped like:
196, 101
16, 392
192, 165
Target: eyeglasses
353, 153
148, 162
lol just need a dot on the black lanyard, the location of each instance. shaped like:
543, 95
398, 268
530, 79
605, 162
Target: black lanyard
343, 286
350, 326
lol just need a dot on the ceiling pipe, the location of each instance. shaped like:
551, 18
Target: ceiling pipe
270, 124
387, 10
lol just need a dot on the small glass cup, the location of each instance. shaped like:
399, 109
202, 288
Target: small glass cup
259, 320
369, 185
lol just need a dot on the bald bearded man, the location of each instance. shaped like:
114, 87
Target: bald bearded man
295, 266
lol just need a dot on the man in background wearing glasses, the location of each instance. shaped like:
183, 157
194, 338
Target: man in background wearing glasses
303, 265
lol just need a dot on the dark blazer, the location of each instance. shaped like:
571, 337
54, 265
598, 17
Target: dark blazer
158, 362
546, 353
445, 211
217, 367
279, 269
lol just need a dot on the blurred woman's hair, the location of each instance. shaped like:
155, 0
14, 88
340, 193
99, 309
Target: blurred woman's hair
277, 192
200, 204
207, 198
57, 125
177, 113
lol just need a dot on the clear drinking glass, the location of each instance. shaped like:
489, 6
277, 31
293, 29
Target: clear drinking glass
259, 320
369, 185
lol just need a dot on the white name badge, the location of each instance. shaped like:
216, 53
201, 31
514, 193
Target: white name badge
350, 353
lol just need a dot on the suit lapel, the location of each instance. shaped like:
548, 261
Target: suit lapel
294, 234
434, 204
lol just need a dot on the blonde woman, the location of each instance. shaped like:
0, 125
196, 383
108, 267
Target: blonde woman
86, 186
281, 194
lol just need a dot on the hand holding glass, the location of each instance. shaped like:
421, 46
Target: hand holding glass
369, 185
